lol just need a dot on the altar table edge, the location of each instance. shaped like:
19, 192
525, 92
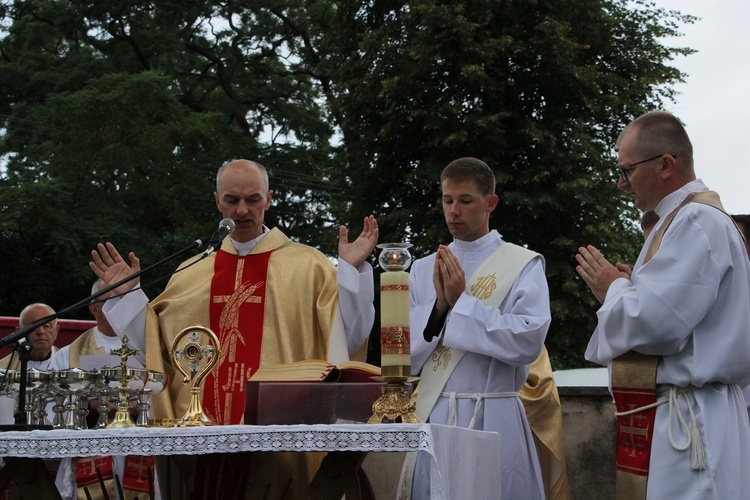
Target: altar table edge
221, 439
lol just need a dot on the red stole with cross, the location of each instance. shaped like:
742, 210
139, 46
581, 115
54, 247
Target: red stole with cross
238, 291
633, 387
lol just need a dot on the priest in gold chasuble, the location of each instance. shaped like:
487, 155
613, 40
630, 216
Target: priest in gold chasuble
275, 305
268, 299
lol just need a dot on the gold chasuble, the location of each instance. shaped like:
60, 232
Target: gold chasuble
292, 308
275, 305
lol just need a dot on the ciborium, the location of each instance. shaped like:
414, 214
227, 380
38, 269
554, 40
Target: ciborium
38, 392
199, 358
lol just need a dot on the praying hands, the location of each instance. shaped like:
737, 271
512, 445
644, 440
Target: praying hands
598, 272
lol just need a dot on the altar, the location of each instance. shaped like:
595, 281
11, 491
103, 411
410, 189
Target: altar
464, 463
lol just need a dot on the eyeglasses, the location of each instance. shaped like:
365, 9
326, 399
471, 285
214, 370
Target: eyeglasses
625, 171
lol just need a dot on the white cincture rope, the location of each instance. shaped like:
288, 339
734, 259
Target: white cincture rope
694, 441
476, 396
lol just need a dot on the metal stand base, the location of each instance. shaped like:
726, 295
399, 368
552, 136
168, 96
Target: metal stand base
394, 406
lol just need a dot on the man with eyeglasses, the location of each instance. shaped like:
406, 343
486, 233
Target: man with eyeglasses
42, 338
675, 334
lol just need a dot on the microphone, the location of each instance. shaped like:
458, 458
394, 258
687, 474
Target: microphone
226, 226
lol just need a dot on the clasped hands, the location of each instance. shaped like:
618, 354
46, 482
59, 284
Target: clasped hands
448, 278
598, 272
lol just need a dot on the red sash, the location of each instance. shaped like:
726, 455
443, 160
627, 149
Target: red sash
633, 387
238, 291
634, 431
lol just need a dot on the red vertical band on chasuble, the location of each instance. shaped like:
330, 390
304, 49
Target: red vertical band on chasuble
238, 291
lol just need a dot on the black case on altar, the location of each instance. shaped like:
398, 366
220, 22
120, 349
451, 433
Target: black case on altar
287, 403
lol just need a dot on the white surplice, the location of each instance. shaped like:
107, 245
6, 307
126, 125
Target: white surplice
500, 343
690, 304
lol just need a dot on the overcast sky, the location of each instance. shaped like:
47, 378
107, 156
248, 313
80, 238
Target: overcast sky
714, 102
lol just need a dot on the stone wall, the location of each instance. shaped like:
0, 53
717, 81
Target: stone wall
589, 437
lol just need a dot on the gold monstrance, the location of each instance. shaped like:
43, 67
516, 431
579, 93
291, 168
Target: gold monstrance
195, 353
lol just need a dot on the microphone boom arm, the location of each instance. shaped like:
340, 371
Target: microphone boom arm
26, 330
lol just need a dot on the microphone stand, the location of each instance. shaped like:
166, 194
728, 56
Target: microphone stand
15, 337
24, 356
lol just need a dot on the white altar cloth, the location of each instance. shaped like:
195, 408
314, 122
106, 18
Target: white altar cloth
465, 463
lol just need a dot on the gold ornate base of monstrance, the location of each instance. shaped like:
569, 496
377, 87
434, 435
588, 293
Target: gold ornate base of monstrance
195, 353
395, 405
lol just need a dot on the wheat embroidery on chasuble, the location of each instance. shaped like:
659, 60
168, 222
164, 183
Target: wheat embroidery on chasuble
238, 291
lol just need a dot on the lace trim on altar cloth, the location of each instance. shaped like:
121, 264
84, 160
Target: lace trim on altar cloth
216, 439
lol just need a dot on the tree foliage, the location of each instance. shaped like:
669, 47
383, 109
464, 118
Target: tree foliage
116, 115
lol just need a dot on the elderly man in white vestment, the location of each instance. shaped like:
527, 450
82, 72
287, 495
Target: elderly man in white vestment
268, 299
683, 318
479, 351
42, 340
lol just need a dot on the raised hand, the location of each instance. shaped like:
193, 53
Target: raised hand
356, 252
110, 267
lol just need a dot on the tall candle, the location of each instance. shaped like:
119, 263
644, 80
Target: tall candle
395, 353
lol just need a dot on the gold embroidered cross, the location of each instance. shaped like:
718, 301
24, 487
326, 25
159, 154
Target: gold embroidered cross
633, 432
237, 284
229, 334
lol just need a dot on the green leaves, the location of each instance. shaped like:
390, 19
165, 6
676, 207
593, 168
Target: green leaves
116, 116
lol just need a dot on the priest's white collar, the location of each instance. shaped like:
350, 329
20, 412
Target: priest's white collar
244, 248
478, 244
667, 205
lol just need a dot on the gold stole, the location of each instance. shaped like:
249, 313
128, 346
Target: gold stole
634, 386
16, 364
490, 283
94, 474
135, 483
541, 403
82, 346
507, 261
